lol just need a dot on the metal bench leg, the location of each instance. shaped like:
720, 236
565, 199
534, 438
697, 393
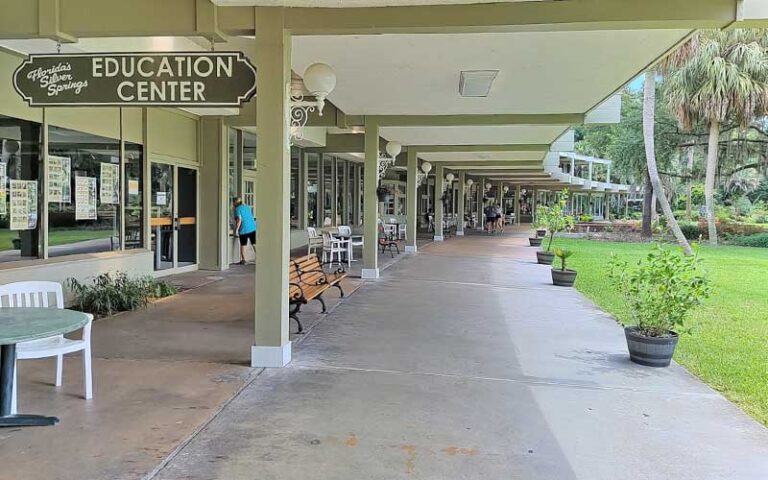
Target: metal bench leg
322, 302
293, 314
341, 291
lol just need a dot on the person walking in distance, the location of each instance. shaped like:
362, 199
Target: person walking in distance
245, 227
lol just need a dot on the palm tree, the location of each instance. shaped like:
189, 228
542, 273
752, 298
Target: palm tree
714, 77
649, 120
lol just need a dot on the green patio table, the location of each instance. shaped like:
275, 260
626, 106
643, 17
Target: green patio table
22, 325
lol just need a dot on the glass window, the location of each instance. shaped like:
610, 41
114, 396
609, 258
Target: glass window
20, 159
341, 218
400, 198
352, 210
313, 207
249, 151
83, 193
249, 194
232, 162
328, 190
162, 215
294, 207
134, 196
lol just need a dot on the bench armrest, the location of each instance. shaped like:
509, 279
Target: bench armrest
301, 291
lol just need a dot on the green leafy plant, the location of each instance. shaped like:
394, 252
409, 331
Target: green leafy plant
555, 219
661, 290
759, 240
563, 254
108, 293
585, 218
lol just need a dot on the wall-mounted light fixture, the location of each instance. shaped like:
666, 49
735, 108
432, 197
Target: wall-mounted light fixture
319, 81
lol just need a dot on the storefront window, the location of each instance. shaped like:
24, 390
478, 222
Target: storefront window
341, 215
19, 189
294, 207
328, 190
83, 193
133, 188
313, 207
249, 151
352, 211
232, 162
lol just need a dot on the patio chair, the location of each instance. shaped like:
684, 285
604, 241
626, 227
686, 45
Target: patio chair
37, 294
332, 246
314, 241
355, 240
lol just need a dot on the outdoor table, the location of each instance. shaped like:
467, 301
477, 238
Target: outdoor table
21, 325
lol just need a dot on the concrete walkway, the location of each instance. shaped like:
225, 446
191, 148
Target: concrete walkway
465, 363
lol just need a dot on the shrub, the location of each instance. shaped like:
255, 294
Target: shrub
109, 294
728, 229
661, 290
691, 231
759, 240
555, 219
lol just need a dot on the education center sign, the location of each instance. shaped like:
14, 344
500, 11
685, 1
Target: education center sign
177, 79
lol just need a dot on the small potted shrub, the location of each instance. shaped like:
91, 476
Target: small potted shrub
563, 277
660, 293
555, 220
535, 241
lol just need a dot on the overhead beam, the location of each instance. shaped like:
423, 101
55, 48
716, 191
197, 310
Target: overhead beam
573, 15
202, 18
468, 120
49, 21
513, 147
480, 164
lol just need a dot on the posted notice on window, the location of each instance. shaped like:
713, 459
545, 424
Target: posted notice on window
59, 186
3, 192
23, 205
85, 198
110, 184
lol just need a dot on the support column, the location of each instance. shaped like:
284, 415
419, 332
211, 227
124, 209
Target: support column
371, 201
480, 206
272, 346
214, 190
462, 201
607, 206
412, 200
439, 210
517, 204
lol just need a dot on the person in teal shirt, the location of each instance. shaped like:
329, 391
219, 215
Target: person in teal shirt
245, 227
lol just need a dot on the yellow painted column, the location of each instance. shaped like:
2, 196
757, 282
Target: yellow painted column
462, 201
412, 201
272, 347
371, 201
439, 182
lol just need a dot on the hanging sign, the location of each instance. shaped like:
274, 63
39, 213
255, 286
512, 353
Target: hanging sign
177, 79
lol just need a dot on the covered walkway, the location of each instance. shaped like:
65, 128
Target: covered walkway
464, 362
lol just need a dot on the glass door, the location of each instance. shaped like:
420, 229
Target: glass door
174, 216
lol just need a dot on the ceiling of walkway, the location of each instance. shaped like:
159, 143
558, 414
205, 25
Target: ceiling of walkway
354, 3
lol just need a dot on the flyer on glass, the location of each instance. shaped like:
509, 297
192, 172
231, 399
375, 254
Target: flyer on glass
23, 204
59, 187
3, 182
110, 184
85, 198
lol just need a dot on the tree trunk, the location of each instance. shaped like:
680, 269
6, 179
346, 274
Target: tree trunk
647, 230
689, 193
649, 118
709, 183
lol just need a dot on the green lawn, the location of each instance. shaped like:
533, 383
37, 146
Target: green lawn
56, 237
729, 346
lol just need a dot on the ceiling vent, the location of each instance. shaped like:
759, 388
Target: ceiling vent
476, 83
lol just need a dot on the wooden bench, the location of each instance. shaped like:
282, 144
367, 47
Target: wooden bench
308, 280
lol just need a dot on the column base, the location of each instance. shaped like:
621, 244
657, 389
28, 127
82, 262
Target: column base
270, 357
438, 238
369, 273
459, 233
410, 249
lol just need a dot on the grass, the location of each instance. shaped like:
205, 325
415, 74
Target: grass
56, 237
729, 345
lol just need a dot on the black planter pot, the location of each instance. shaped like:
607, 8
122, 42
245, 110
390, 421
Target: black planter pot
541, 233
650, 351
534, 241
563, 278
545, 258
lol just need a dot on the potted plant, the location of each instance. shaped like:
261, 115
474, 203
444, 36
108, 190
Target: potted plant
535, 241
660, 293
555, 220
563, 277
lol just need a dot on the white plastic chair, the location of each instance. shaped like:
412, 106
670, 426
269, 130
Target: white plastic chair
390, 230
37, 294
401, 232
332, 246
314, 241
